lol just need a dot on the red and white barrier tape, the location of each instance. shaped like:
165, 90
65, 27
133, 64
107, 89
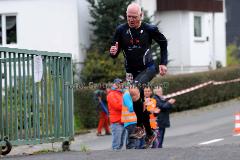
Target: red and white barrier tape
224, 82
198, 87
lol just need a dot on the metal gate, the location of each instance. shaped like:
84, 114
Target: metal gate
36, 102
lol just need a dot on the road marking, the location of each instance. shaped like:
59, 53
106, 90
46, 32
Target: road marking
212, 141
236, 135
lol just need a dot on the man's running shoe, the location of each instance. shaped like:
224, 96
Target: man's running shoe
149, 140
138, 134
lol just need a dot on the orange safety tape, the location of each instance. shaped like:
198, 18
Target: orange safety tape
237, 129
224, 82
187, 90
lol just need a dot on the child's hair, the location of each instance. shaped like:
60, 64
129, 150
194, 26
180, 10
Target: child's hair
147, 86
156, 88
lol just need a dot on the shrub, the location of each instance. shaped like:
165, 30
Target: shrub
102, 68
86, 111
204, 96
233, 55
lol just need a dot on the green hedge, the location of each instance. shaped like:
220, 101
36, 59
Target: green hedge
204, 96
85, 109
86, 115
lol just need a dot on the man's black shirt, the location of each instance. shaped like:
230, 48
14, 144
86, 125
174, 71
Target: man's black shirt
136, 45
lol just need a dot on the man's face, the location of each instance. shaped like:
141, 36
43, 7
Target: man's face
147, 92
117, 85
133, 18
134, 92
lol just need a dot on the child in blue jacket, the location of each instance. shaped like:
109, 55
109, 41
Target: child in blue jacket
163, 119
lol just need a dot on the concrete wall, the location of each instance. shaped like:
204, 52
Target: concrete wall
84, 27
200, 47
178, 38
49, 25
212, 46
149, 6
220, 38
187, 50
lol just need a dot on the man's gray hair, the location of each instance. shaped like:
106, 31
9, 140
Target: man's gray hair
135, 5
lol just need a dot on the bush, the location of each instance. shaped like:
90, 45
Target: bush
86, 111
204, 96
102, 68
233, 55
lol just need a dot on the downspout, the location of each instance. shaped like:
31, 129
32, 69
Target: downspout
213, 41
181, 44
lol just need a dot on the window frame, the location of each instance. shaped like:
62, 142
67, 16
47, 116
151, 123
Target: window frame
200, 38
199, 27
4, 29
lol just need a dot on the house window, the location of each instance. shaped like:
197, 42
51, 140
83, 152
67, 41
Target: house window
197, 26
8, 29
11, 29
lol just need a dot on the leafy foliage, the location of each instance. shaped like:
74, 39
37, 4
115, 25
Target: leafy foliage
85, 110
204, 96
102, 68
233, 55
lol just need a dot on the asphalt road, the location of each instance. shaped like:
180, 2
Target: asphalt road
205, 133
197, 127
225, 152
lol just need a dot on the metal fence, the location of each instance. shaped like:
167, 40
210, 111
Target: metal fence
36, 102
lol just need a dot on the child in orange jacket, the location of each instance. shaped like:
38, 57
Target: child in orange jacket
114, 100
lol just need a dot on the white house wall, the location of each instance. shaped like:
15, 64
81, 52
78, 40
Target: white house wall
208, 49
201, 48
49, 25
84, 27
175, 26
148, 6
220, 38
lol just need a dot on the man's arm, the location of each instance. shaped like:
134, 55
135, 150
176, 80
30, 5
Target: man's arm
165, 105
127, 100
115, 46
162, 42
